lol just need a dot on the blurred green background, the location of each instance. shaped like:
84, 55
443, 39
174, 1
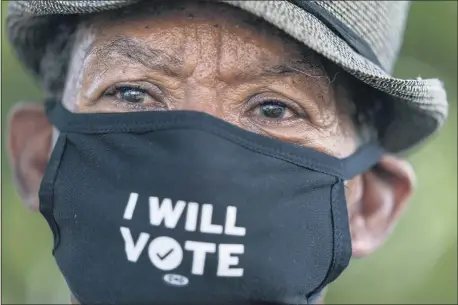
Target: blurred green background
417, 265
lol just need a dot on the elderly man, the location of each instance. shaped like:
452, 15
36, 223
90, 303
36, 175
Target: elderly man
222, 152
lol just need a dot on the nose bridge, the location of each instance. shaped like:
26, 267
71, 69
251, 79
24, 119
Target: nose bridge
203, 98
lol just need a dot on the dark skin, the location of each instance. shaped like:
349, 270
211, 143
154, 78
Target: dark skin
210, 58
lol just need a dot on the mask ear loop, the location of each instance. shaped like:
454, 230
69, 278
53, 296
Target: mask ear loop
363, 159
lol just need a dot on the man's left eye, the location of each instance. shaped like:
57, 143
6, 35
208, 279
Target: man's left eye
274, 110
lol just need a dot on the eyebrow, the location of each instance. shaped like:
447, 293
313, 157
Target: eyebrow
299, 67
159, 60
135, 51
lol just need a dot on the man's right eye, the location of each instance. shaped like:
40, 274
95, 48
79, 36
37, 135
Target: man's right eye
137, 95
130, 94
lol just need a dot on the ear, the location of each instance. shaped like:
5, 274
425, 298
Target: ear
380, 197
28, 145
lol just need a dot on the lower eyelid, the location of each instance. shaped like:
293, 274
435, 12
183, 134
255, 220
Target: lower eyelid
112, 102
115, 102
268, 124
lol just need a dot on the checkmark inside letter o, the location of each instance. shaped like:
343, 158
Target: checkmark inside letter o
165, 253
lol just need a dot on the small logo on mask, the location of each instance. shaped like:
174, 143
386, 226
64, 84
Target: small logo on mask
176, 279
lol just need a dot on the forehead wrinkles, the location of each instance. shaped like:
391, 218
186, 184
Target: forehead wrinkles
223, 52
215, 28
237, 41
206, 46
241, 52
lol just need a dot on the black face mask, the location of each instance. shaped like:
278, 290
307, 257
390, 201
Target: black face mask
179, 207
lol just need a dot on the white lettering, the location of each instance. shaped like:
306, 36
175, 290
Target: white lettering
166, 254
130, 207
191, 216
206, 225
231, 218
226, 260
200, 250
165, 211
133, 250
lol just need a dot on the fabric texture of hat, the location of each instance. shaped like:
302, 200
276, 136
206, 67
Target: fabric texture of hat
362, 37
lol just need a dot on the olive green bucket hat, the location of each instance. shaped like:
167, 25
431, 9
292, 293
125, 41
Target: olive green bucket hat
362, 37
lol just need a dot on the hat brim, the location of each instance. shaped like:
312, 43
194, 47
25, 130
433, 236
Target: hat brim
420, 105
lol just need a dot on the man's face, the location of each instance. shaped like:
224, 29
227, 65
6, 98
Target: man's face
210, 59
215, 59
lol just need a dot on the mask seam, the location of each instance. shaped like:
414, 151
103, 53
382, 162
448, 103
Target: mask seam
338, 231
336, 260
